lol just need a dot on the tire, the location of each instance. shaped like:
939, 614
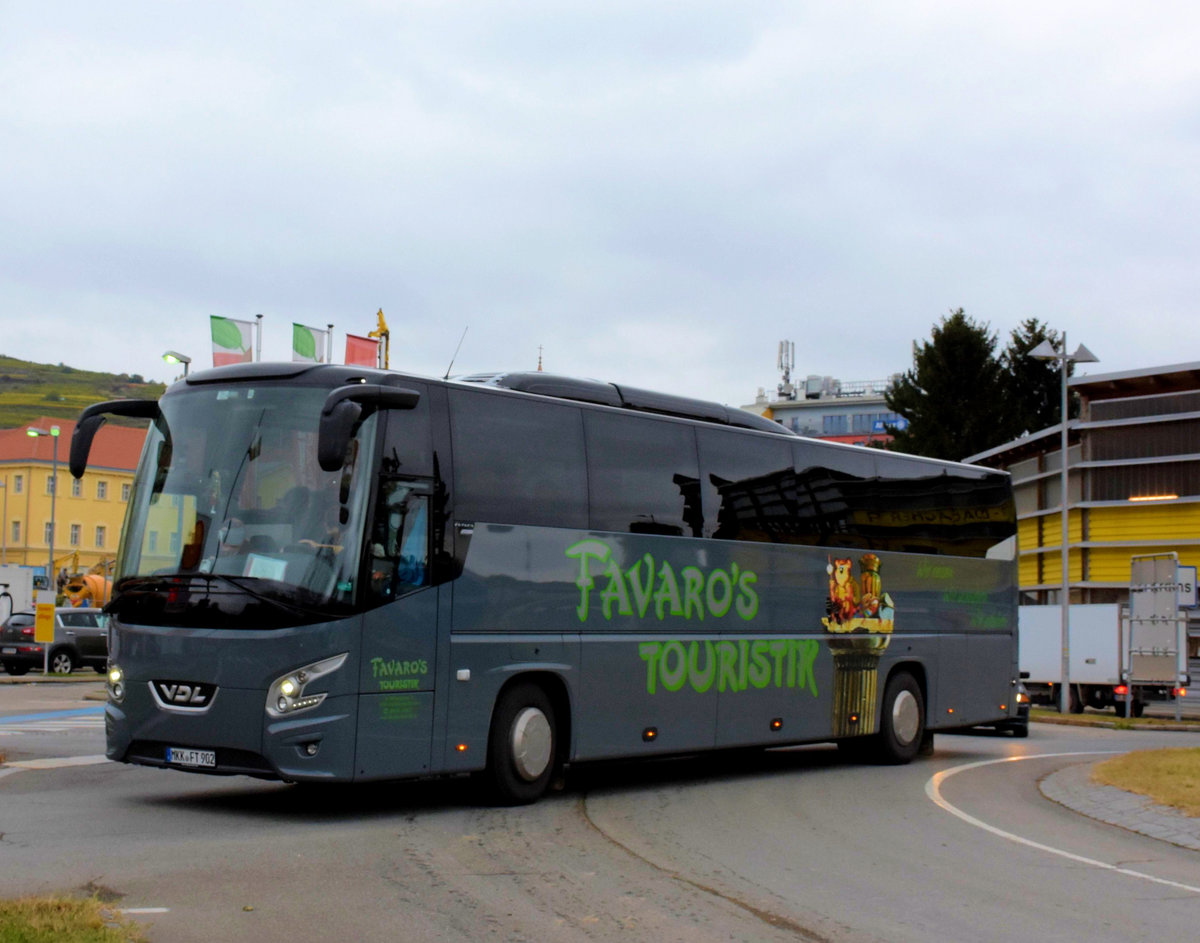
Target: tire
522, 746
62, 662
902, 720
1119, 707
1021, 730
16, 670
1074, 702
1139, 708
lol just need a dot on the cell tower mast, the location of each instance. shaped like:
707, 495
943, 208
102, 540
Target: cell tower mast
787, 363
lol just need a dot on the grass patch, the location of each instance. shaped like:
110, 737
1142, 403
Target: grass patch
1090, 718
1169, 777
64, 920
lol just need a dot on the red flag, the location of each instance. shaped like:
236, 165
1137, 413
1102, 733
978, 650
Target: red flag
362, 350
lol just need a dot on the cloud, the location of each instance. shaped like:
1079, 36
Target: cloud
656, 194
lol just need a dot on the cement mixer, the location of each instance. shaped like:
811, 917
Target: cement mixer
88, 589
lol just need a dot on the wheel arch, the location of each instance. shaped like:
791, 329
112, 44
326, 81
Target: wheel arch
560, 698
917, 670
67, 647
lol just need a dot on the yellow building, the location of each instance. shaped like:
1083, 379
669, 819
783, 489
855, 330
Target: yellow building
1133, 486
36, 486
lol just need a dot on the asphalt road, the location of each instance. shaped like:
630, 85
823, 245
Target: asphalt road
790, 845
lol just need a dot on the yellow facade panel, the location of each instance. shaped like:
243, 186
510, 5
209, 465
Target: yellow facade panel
1144, 522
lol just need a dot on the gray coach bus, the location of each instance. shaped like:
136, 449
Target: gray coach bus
333, 573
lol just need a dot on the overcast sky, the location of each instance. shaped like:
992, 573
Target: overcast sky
655, 193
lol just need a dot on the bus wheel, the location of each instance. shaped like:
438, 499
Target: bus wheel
902, 725
522, 745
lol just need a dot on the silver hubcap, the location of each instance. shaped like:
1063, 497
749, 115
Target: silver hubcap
906, 717
60, 664
532, 741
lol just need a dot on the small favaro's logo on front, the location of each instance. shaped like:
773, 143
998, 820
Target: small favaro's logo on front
183, 695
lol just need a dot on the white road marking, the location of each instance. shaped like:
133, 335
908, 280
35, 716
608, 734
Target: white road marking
53, 726
58, 762
933, 790
141, 911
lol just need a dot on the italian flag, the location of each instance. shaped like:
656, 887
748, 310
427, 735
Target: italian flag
232, 341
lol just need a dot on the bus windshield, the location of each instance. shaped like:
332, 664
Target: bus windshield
230, 497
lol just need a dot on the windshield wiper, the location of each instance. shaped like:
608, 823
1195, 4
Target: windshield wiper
161, 582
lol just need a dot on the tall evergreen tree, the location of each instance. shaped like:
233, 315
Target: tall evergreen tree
953, 397
1034, 388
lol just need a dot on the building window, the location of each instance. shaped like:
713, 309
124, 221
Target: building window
16, 532
152, 542
100, 535
50, 484
834, 425
174, 542
75, 529
18, 484
48, 534
101, 490
125, 496
76, 487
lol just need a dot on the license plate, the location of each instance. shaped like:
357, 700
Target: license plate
182, 756
8, 651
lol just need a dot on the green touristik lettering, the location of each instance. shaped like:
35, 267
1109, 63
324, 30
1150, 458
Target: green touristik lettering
654, 586
731, 665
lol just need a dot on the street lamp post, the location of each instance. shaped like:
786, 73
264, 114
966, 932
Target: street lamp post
1046, 351
53, 433
174, 356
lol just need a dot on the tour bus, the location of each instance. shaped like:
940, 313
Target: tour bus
335, 573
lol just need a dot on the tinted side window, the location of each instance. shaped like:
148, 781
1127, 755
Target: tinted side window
517, 461
407, 448
79, 619
925, 508
832, 488
642, 475
748, 484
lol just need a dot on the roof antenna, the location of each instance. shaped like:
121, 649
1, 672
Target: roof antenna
456, 350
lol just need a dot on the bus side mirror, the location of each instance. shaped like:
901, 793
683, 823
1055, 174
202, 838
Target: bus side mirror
92, 418
345, 408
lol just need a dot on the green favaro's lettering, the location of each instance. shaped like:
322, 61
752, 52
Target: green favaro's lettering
652, 586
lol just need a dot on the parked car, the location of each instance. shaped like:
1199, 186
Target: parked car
80, 640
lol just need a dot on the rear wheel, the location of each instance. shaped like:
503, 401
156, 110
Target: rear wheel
15, 670
62, 662
1075, 704
902, 724
522, 746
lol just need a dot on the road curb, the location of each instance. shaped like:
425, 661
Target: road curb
1072, 787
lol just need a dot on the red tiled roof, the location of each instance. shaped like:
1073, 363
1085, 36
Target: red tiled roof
115, 447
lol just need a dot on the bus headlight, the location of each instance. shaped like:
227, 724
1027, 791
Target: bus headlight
289, 695
116, 684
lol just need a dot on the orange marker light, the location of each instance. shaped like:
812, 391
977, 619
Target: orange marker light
461, 748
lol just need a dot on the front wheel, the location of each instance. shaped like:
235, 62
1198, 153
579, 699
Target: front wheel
522, 746
902, 724
61, 662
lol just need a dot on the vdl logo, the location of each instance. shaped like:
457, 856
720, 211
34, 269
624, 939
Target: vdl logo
183, 695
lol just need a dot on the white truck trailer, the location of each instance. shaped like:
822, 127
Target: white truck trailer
1095, 651
16, 582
